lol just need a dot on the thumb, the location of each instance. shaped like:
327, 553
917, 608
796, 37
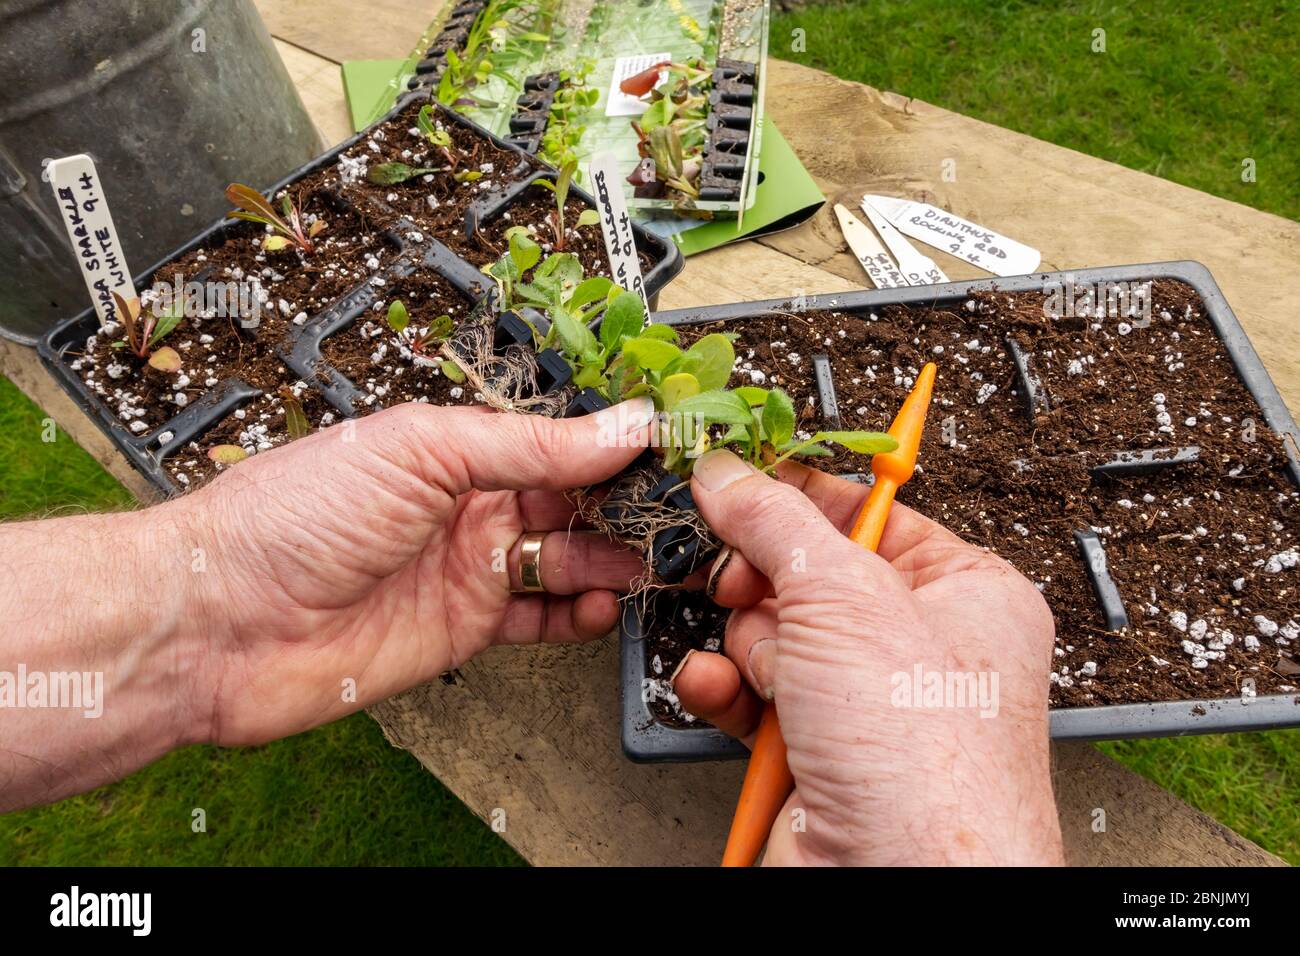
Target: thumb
459, 449
774, 525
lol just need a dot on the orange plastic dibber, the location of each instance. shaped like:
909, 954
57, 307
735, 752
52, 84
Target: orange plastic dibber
768, 780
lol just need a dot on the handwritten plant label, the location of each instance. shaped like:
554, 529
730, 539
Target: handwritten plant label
919, 269
616, 225
978, 245
619, 103
875, 259
90, 228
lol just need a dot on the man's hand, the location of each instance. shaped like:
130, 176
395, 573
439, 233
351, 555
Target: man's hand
835, 635
384, 552
301, 585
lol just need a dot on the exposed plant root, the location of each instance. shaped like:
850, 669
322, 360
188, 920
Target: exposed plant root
507, 382
627, 517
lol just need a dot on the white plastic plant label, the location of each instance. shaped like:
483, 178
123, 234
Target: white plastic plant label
919, 269
90, 228
615, 224
618, 102
875, 259
978, 245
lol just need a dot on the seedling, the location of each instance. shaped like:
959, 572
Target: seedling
672, 131
629, 359
399, 320
491, 33
295, 416
291, 230
560, 188
144, 330
572, 102
389, 174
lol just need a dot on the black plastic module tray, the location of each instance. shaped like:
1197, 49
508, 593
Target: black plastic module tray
300, 349
646, 738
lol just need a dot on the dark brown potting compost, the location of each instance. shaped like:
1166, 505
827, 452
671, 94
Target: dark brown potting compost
1204, 553
368, 227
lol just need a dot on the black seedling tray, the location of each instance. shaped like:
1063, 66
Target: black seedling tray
647, 738
300, 349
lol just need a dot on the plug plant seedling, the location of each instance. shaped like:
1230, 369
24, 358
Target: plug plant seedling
143, 330
672, 131
291, 230
560, 189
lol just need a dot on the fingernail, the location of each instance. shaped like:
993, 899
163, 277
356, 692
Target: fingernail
681, 665
715, 574
719, 468
626, 417
762, 666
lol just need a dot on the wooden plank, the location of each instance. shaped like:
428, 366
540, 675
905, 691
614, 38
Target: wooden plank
533, 731
338, 31
320, 84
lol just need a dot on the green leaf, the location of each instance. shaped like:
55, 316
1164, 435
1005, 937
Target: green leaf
543, 293
864, 443
752, 394
650, 353
575, 338
664, 333
590, 290
562, 184
389, 174
564, 266
451, 370
677, 388
524, 251
588, 217
589, 376
716, 358
424, 122
505, 269
227, 454
166, 322
657, 114
439, 329
295, 418
736, 433
778, 417
467, 176
727, 408
624, 317
398, 317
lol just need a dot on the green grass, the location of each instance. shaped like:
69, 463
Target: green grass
1183, 91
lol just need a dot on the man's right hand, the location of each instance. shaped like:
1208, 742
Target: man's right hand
852, 645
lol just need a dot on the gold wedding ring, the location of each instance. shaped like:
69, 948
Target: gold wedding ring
530, 561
